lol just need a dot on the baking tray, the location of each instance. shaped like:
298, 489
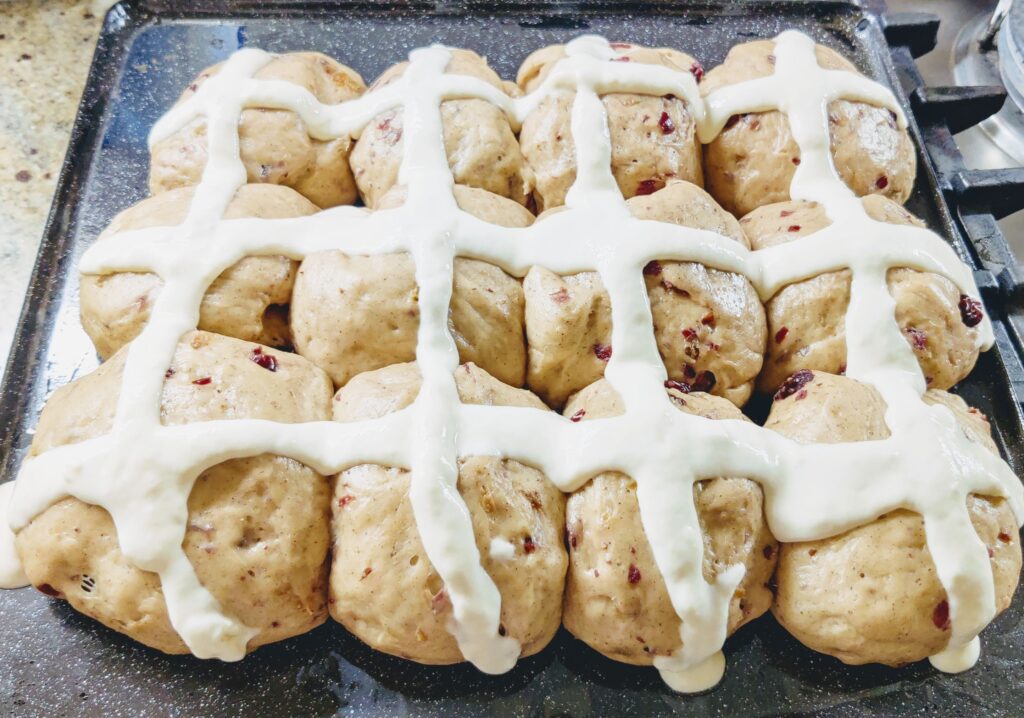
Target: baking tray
57, 662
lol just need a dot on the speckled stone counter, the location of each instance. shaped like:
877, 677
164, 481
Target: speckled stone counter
45, 50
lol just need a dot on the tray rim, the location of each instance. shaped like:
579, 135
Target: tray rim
33, 337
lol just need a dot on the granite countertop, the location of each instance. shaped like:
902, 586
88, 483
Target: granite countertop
45, 50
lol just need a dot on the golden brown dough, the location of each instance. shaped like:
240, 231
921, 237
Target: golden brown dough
383, 587
653, 139
276, 147
352, 314
615, 598
709, 324
871, 595
248, 301
806, 320
751, 163
257, 531
481, 147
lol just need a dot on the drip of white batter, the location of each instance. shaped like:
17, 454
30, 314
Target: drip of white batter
927, 465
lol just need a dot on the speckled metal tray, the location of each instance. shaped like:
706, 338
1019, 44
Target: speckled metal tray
54, 662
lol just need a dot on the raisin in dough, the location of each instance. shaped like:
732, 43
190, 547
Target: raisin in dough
352, 314
383, 587
249, 300
481, 147
709, 325
751, 163
807, 320
871, 595
258, 528
615, 598
276, 147
654, 139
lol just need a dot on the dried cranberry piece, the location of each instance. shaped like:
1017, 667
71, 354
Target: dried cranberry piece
1004, 537
561, 296
780, 336
666, 124
169, 373
571, 535
796, 161
882, 182
48, 590
203, 381
793, 228
918, 338
620, 45
633, 574
785, 213
620, 59
708, 319
647, 186
267, 361
689, 334
345, 500
940, 616
794, 383
705, 381
678, 386
697, 70
528, 545
652, 268
578, 416
970, 310
603, 352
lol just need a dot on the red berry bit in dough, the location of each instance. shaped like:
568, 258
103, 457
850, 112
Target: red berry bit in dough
708, 319
970, 311
603, 352
677, 385
528, 545
918, 338
49, 590
345, 500
1004, 537
169, 373
689, 334
202, 381
573, 538
578, 416
648, 186
561, 296
620, 59
785, 213
780, 336
634, 574
666, 124
652, 268
705, 381
793, 228
796, 161
266, 361
697, 70
620, 45
940, 616
882, 182
794, 383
